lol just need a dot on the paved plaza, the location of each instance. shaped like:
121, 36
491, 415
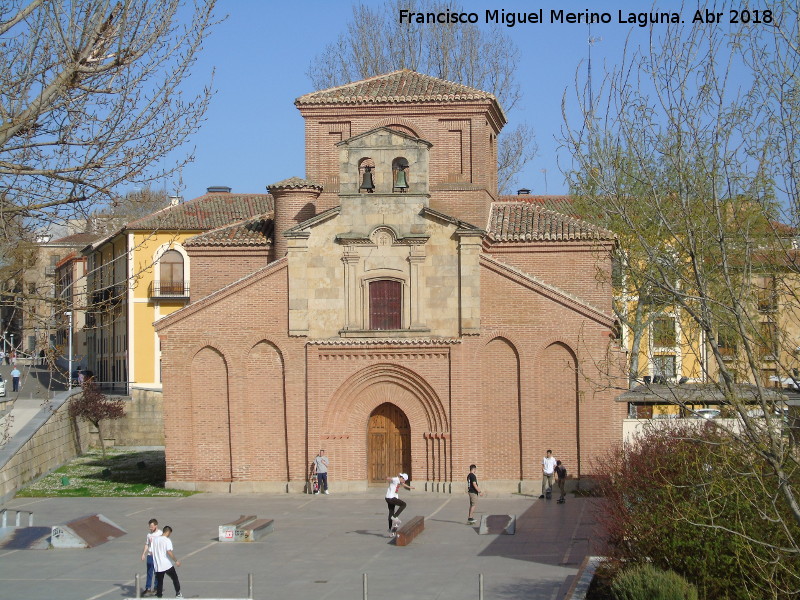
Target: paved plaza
321, 547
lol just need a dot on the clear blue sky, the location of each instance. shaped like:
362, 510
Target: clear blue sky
254, 135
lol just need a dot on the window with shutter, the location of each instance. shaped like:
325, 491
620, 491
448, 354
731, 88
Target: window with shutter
385, 304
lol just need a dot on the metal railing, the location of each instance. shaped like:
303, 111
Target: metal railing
169, 289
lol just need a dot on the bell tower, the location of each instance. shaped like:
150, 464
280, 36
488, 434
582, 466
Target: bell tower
460, 123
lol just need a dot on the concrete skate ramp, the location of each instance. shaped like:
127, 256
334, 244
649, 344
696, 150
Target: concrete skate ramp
86, 532
26, 538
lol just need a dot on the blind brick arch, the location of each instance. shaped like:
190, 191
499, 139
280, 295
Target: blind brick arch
266, 459
558, 418
210, 416
501, 408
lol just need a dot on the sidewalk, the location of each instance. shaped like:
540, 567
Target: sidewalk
36, 389
321, 547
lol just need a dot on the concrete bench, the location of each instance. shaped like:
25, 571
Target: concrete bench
228, 531
409, 531
245, 529
257, 529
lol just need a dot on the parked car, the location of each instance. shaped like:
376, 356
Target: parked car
2, 387
706, 413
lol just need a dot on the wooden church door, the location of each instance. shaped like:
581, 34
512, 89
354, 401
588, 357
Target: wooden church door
389, 443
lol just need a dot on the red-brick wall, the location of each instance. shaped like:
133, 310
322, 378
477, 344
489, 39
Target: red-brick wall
245, 327
579, 268
212, 268
499, 399
546, 332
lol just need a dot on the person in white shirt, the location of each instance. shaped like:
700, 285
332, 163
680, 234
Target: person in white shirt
396, 506
163, 557
548, 468
147, 553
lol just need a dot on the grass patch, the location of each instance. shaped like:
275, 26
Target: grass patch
120, 474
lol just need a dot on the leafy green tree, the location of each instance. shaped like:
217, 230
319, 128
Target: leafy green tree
688, 499
689, 155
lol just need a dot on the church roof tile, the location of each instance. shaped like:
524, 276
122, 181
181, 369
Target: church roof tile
531, 222
399, 86
205, 212
250, 232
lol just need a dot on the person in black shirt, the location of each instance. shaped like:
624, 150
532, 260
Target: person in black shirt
561, 473
474, 491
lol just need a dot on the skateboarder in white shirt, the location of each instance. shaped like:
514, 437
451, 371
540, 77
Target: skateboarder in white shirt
163, 557
393, 499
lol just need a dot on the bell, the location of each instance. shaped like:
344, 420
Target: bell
401, 181
366, 182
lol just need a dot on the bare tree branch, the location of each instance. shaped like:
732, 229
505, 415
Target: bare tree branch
375, 42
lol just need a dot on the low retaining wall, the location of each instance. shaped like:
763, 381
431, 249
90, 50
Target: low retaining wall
46, 442
143, 423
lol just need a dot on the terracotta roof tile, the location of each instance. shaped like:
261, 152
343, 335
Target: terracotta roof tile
77, 239
399, 86
529, 222
294, 182
250, 232
206, 212
562, 204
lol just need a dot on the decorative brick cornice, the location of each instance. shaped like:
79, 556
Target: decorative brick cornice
375, 354
387, 341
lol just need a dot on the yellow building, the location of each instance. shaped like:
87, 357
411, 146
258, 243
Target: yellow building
141, 273
672, 349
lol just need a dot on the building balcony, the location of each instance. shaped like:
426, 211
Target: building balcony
169, 290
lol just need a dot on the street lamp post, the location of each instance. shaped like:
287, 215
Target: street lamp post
69, 371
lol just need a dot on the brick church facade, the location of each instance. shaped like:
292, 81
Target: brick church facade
393, 310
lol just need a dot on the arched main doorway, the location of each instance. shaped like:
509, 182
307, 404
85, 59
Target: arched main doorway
388, 443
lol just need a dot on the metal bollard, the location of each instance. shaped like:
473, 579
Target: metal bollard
30, 519
138, 588
4, 514
250, 586
364, 580
480, 586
